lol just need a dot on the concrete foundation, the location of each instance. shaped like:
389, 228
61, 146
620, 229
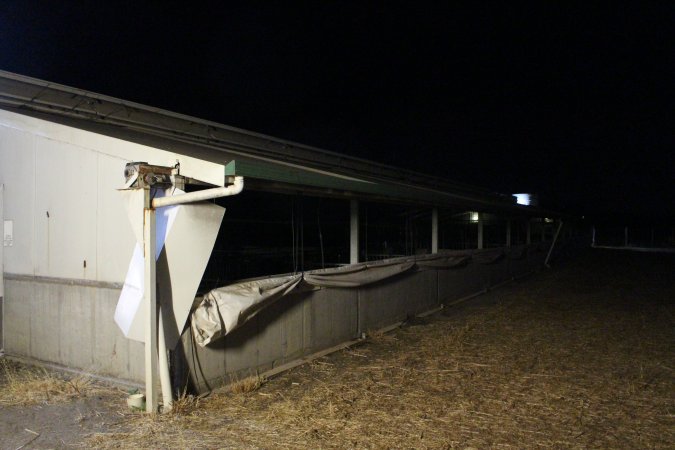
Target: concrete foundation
68, 324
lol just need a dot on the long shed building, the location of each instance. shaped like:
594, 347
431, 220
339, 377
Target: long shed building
334, 246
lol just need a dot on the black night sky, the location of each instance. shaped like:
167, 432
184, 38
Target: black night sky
575, 103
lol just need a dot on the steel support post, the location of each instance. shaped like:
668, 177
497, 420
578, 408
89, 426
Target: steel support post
354, 232
434, 230
150, 304
480, 230
528, 232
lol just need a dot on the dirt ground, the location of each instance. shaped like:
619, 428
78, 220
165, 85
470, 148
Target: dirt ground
42, 409
580, 356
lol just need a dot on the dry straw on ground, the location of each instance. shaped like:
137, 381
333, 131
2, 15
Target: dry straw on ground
559, 361
23, 385
246, 385
577, 358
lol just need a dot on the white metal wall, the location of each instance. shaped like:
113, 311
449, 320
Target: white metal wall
72, 242
60, 192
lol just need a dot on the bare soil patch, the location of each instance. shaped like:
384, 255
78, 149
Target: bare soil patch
44, 409
576, 357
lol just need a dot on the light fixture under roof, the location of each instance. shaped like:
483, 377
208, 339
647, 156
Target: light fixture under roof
523, 199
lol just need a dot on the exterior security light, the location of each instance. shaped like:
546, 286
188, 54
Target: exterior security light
522, 199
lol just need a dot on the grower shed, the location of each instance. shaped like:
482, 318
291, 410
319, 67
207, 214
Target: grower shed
316, 250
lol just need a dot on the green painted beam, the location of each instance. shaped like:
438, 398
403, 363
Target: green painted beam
267, 171
285, 174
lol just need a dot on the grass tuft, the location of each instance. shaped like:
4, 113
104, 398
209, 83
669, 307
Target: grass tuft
246, 385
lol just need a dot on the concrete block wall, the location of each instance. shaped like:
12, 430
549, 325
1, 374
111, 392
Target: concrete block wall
69, 325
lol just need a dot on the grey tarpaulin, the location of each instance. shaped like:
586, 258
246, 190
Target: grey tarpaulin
224, 309
358, 275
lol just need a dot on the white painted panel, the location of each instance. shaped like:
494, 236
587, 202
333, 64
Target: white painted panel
65, 210
128, 314
17, 160
180, 267
78, 173
116, 239
187, 249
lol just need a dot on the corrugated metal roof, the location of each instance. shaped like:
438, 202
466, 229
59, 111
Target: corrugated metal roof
274, 164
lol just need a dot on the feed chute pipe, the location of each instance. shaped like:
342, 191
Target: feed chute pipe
206, 194
164, 375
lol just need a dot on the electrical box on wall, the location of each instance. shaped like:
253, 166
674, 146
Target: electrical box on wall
8, 233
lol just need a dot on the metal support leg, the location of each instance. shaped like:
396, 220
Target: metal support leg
480, 231
354, 232
434, 230
528, 232
150, 305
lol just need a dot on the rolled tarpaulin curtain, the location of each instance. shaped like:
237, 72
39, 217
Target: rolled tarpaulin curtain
224, 309
344, 278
